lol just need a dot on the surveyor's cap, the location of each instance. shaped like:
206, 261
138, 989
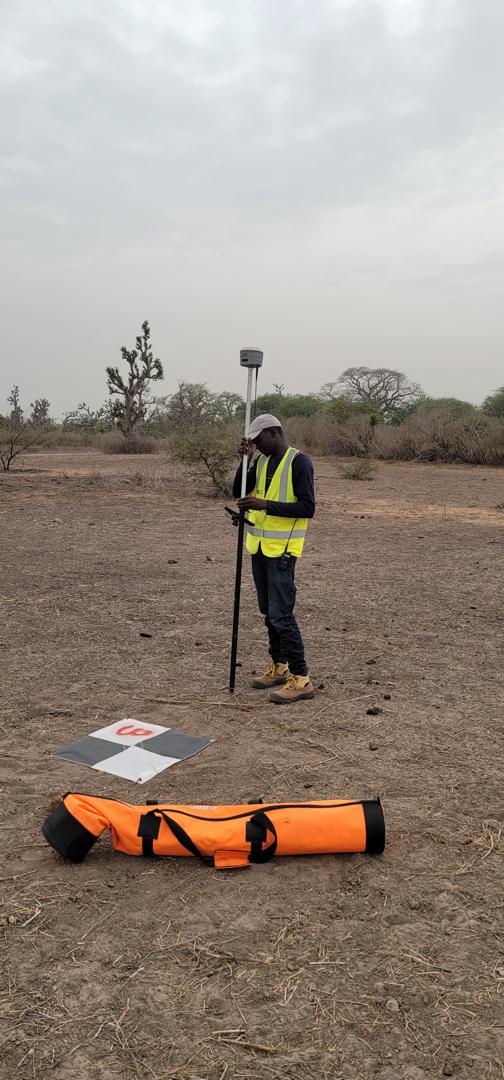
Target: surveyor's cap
266, 420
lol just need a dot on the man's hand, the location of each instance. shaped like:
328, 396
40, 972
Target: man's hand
247, 448
251, 503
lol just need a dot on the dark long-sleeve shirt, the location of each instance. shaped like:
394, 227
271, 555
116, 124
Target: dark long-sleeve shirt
302, 481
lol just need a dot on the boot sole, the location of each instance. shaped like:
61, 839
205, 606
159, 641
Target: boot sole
292, 701
261, 686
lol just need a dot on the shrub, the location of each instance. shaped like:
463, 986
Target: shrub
343, 410
116, 443
358, 470
16, 437
436, 435
70, 439
212, 451
426, 435
325, 434
493, 405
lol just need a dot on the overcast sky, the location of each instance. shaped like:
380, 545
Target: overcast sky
320, 178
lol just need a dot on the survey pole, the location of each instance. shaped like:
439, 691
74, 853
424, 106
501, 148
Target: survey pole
248, 408
251, 359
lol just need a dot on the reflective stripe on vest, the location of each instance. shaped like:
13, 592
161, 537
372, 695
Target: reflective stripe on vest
275, 535
284, 478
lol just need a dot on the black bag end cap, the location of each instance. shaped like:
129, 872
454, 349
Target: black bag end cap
375, 827
67, 835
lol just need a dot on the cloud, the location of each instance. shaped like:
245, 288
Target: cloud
170, 139
271, 109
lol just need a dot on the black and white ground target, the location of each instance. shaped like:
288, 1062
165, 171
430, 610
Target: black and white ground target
132, 749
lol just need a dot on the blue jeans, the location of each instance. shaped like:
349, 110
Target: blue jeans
276, 593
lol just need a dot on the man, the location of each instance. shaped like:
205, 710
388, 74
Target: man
280, 498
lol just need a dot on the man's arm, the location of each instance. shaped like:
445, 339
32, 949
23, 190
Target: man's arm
303, 482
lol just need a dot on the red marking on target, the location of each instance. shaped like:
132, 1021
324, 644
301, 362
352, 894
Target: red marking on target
132, 731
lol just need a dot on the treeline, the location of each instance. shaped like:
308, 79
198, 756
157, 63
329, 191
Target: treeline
193, 407
364, 412
198, 425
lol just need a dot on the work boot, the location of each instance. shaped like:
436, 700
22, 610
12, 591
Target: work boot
296, 688
276, 675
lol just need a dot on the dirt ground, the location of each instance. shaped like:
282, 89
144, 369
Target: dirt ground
351, 967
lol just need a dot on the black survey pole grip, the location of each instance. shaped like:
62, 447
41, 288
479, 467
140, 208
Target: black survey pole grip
236, 610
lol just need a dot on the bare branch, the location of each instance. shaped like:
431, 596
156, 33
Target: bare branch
382, 387
15, 438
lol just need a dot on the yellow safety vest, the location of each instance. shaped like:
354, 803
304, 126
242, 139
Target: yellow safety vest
275, 535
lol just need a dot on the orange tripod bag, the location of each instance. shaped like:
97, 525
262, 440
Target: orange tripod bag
225, 837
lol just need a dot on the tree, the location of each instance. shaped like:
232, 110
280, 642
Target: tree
384, 388
188, 407
16, 413
14, 440
329, 391
16, 435
39, 416
157, 421
191, 407
343, 410
454, 406
92, 421
288, 405
451, 407
225, 407
493, 405
131, 404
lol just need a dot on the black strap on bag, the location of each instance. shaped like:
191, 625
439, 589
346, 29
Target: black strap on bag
148, 830
257, 833
185, 840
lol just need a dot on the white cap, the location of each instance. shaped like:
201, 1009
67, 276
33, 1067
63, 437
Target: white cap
266, 420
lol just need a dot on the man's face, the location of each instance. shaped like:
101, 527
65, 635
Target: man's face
265, 442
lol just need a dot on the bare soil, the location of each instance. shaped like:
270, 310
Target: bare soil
353, 967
